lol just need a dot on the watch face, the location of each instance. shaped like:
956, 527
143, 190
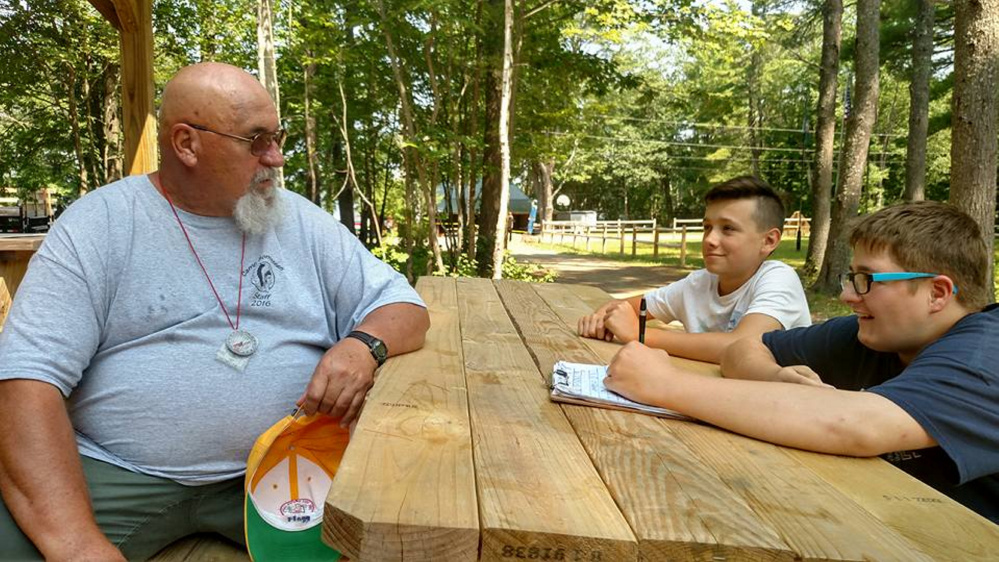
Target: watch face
379, 351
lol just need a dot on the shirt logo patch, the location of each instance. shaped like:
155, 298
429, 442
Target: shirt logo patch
264, 274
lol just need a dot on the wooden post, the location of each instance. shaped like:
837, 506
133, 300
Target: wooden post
603, 239
634, 239
620, 230
655, 243
136, 43
683, 247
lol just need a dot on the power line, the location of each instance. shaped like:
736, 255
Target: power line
698, 145
839, 132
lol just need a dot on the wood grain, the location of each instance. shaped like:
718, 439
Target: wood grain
139, 118
20, 242
814, 518
677, 507
406, 486
941, 527
539, 494
13, 267
5, 302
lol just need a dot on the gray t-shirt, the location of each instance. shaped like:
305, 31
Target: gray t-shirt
116, 313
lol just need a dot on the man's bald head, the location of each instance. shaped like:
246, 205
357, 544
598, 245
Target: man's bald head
210, 94
209, 113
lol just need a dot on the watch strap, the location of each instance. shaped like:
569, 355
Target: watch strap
373, 344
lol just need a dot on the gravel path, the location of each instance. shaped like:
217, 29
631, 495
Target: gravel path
619, 279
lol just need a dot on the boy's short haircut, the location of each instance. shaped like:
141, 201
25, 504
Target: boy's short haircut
769, 208
930, 237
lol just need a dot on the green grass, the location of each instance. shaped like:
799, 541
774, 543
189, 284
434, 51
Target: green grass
821, 306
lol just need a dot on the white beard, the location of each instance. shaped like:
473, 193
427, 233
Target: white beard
261, 207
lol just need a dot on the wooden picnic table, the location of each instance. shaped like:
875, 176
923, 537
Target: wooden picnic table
15, 252
460, 455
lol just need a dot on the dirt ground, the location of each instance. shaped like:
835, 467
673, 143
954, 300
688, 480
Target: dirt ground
620, 280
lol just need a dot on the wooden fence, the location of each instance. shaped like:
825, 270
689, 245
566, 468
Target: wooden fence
620, 231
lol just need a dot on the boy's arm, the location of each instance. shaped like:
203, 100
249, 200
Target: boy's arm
707, 346
749, 359
802, 416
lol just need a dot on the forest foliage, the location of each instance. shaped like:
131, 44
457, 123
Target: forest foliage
631, 108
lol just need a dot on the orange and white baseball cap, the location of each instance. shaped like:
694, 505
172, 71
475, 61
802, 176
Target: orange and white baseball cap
288, 475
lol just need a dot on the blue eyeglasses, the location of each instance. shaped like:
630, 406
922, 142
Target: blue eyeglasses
861, 281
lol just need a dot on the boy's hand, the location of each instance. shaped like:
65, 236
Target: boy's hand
622, 321
594, 325
639, 373
800, 374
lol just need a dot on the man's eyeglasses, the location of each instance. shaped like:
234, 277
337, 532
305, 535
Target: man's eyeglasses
861, 282
260, 143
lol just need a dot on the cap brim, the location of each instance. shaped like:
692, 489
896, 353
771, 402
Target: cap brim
266, 543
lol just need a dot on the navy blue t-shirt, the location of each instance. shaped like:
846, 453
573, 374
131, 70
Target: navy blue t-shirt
951, 389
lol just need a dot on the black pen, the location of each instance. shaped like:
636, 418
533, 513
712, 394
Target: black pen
641, 322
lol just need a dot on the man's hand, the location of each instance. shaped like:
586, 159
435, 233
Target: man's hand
616, 318
800, 374
341, 381
640, 373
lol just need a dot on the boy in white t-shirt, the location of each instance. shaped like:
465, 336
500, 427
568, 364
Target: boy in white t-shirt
738, 293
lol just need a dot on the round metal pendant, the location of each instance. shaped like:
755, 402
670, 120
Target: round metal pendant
241, 343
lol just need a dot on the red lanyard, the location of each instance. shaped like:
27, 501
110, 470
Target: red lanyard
239, 297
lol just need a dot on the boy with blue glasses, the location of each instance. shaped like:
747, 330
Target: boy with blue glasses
913, 375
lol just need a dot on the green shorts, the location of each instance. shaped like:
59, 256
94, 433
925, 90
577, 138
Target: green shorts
142, 514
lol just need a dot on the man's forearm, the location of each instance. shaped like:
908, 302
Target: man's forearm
402, 326
40, 472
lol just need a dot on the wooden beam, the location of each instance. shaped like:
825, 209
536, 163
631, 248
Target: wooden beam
137, 85
523, 444
405, 489
107, 9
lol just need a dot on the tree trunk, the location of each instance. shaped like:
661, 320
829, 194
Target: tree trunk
492, 158
265, 60
919, 102
411, 157
311, 135
855, 146
112, 125
74, 121
506, 106
825, 135
668, 208
546, 195
973, 122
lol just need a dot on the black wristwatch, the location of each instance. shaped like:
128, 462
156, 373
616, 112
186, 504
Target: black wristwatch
377, 346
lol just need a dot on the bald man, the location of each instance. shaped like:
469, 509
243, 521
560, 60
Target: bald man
167, 321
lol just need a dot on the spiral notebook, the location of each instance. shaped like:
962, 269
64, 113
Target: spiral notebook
583, 384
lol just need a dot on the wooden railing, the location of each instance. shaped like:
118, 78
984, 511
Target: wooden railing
620, 231
639, 231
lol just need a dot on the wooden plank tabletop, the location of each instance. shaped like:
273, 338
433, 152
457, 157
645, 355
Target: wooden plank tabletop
460, 455
405, 488
20, 242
